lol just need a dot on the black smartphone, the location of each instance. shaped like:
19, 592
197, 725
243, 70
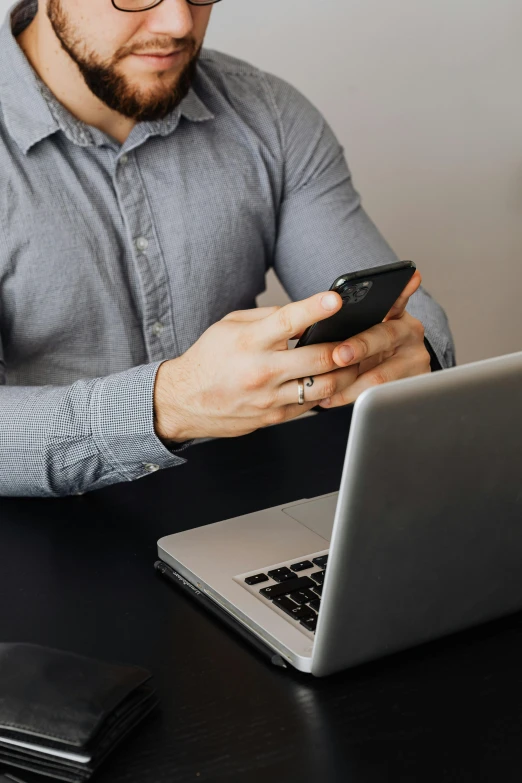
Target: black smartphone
368, 297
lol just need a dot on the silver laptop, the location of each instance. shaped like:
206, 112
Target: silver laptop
424, 537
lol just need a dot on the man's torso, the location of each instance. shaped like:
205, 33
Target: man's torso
115, 256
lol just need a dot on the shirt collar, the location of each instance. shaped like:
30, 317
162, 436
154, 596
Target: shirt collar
32, 113
25, 112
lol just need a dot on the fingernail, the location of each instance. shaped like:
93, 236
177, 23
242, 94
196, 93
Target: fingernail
329, 301
326, 403
346, 354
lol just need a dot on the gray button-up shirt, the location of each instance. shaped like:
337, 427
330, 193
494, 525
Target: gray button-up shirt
114, 258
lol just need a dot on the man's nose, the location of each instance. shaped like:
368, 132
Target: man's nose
172, 17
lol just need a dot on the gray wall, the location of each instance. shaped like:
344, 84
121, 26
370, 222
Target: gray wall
426, 99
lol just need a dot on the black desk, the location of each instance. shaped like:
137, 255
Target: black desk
78, 574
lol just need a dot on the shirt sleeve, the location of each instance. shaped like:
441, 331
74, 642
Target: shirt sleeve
323, 230
68, 440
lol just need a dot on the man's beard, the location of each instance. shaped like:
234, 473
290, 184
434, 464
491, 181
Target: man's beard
113, 88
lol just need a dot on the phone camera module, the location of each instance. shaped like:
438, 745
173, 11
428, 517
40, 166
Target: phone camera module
354, 293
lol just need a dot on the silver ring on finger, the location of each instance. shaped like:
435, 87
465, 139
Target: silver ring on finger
300, 390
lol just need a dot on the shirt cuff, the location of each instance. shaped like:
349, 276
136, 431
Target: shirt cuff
122, 420
435, 363
175, 447
439, 348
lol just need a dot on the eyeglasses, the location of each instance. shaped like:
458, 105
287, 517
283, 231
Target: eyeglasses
133, 6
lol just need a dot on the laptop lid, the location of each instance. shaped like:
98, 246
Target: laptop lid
427, 538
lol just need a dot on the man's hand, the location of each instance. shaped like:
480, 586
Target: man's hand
240, 376
389, 351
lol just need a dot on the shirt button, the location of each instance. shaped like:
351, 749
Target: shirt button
150, 467
157, 329
142, 243
124, 160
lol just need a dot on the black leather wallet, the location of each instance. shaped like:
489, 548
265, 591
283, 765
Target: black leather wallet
61, 714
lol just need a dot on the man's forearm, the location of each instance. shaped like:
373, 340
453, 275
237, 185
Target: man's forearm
57, 441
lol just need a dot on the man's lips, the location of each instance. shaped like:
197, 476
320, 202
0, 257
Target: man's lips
160, 58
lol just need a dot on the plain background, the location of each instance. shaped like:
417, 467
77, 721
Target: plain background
426, 99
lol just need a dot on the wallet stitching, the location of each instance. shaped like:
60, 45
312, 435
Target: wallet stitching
29, 730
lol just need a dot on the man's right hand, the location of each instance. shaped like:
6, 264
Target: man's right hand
240, 376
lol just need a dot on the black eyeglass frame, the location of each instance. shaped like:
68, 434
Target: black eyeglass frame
154, 5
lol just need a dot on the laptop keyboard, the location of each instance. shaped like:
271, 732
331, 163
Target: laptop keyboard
294, 588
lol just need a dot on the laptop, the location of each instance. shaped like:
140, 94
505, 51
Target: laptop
423, 538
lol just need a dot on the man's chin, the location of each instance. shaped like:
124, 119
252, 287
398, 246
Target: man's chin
141, 99
150, 83
143, 96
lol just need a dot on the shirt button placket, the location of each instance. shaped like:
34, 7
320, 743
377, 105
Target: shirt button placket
142, 244
150, 265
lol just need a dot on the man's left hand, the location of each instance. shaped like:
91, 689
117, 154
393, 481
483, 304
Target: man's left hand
388, 352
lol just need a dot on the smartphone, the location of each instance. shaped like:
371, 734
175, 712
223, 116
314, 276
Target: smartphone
368, 297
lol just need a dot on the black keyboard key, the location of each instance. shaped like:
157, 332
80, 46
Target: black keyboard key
318, 590
284, 603
321, 562
302, 566
303, 597
291, 609
316, 604
310, 623
256, 580
281, 574
303, 613
318, 577
285, 588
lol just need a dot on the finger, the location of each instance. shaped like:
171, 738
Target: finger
402, 302
373, 361
379, 339
407, 364
294, 318
308, 360
256, 314
317, 388
369, 364
286, 413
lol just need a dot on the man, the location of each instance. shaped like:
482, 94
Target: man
146, 186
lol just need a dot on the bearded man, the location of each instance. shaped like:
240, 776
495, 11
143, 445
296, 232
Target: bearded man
146, 187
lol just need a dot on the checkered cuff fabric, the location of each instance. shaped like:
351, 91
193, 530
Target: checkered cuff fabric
123, 423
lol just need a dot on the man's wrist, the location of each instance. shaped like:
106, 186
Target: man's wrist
167, 422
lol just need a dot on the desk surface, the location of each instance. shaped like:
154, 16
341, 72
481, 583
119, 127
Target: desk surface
78, 574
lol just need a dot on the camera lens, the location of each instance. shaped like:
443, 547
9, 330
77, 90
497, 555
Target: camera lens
353, 293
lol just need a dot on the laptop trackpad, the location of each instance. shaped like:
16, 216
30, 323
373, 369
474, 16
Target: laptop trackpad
317, 515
